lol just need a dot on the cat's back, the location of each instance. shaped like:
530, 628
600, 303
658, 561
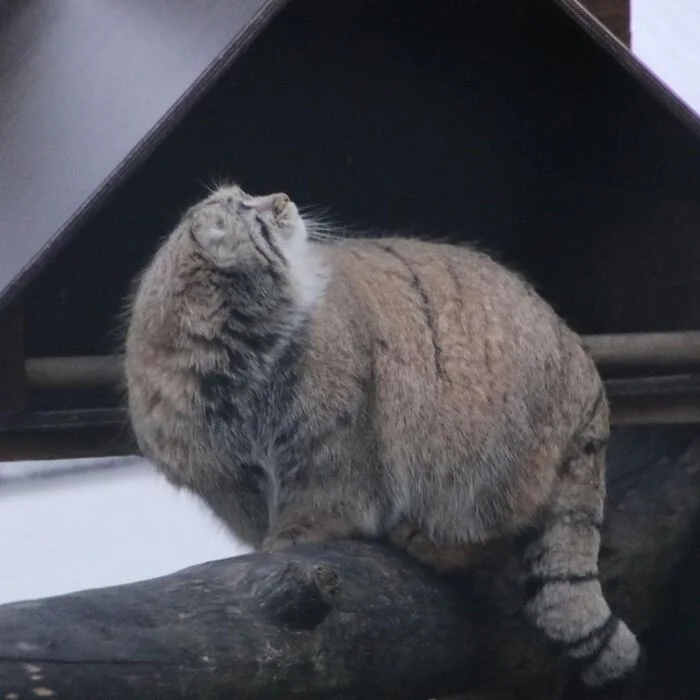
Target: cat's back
458, 344
443, 308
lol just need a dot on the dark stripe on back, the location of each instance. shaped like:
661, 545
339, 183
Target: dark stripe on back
590, 414
427, 307
456, 281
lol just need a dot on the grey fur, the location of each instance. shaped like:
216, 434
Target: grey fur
313, 390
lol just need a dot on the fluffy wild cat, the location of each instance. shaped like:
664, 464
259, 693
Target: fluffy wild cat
316, 389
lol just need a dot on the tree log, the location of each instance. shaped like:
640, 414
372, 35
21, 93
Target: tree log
348, 620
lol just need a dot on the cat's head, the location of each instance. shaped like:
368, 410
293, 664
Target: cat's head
232, 253
235, 229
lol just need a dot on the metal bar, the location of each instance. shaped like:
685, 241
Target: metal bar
663, 350
46, 421
87, 372
99, 441
669, 385
653, 410
645, 349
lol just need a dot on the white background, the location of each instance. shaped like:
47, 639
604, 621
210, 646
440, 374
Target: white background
95, 530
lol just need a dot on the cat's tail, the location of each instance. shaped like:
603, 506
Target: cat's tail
564, 596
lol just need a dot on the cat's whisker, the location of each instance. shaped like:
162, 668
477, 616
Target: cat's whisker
321, 236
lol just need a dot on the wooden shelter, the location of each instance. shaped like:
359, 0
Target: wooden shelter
521, 125
524, 125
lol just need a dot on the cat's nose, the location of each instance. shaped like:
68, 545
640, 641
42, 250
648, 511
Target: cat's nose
274, 202
281, 200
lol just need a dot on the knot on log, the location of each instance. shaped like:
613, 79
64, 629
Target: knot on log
299, 596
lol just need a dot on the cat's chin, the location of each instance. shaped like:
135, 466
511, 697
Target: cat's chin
294, 236
291, 224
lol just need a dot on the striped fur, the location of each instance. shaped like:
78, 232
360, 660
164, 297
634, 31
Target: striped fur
309, 390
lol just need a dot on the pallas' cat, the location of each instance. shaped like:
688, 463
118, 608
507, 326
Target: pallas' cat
316, 389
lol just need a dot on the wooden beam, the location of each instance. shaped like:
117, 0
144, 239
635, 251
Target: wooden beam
77, 443
617, 350
75, 372
636, 400
646, 410
610, 351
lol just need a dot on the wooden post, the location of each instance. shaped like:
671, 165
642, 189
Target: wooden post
13, 379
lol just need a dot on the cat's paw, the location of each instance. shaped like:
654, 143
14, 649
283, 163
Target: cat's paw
288, 537
307, 529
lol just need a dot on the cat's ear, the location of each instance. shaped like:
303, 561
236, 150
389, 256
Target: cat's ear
217, 243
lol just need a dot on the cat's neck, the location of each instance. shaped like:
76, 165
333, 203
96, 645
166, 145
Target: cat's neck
309, 273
